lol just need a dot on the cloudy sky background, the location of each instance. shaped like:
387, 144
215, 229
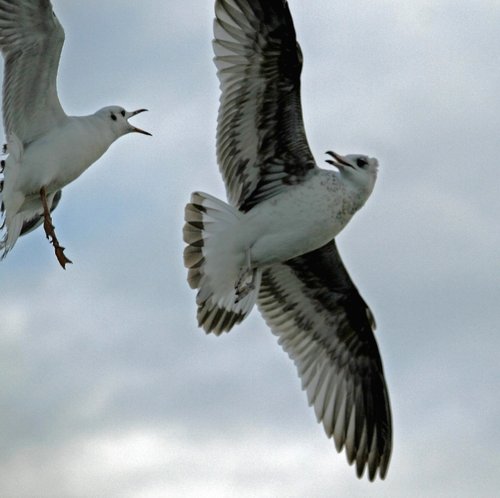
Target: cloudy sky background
107, 387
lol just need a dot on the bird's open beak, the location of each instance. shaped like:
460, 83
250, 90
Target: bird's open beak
138, 130
338, 161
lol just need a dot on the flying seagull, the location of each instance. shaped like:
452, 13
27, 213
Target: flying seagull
46, 149
274, 244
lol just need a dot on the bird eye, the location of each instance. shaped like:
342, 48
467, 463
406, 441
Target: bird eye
122, 113
361, 162
113, 117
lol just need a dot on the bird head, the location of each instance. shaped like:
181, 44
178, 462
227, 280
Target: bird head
360, 169
118, 119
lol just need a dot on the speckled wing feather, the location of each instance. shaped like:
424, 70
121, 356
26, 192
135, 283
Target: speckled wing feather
261, 142
326, 328
31, 40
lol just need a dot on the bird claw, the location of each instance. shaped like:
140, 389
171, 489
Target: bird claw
50, 231
244, 285
61, 257
242, 292
58, 249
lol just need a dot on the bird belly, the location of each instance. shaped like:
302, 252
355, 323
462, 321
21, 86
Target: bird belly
298, 221
56, 159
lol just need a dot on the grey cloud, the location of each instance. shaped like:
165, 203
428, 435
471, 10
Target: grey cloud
104, 362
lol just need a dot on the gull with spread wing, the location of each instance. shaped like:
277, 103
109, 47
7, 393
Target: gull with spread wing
274, 244
46, 149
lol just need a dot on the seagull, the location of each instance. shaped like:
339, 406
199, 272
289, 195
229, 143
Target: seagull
46, 149
274, 243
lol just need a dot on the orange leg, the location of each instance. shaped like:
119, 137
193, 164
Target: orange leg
50, 232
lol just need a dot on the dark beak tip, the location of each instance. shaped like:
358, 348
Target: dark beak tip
143, 132
138, 130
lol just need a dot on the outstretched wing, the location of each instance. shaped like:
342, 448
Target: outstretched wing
261, 142
326, 328
31, 40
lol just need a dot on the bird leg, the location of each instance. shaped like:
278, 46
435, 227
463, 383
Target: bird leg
245, 283
50, 231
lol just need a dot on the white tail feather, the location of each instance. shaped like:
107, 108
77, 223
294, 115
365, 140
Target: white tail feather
215, 263
10, 202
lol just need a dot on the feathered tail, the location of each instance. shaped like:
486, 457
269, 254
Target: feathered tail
11, 221
215, 265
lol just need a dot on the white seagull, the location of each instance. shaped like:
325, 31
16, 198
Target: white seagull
46, 149
275, 243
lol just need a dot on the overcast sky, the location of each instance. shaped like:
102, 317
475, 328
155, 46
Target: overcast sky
107, 386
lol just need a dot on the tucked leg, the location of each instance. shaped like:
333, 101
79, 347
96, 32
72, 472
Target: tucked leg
246, 279
50, 231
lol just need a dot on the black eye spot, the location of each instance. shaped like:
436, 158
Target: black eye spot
361, 162
113, 117
122, 113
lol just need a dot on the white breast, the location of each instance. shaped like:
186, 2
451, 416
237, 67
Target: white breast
60, 156
302, 219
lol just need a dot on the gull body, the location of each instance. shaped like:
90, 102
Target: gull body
322, 206
46, 148
273, 244
60, 156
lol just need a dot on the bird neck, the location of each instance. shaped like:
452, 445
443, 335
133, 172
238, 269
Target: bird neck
357, 192
94, 137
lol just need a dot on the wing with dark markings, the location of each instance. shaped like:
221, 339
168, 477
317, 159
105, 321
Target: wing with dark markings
326, 328
261, 142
